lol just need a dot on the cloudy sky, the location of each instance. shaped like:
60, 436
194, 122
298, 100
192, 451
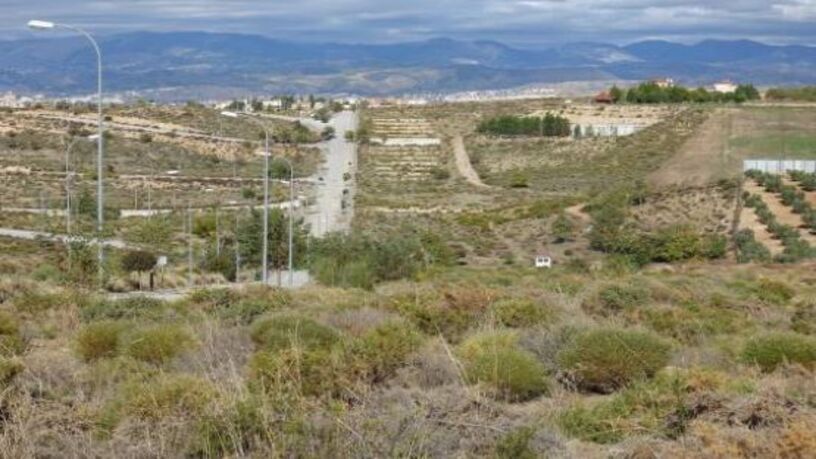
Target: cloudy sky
520, 22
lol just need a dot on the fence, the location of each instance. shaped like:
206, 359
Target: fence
779, 166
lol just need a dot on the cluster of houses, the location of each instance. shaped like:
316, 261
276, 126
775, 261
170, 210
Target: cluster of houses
11, 100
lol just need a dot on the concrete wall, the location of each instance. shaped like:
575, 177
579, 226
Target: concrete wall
779, 166
607, 130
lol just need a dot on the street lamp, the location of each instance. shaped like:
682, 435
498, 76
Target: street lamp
265, 243
100, 219
291, 217
91, 138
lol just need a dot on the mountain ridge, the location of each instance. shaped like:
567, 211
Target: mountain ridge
143, 61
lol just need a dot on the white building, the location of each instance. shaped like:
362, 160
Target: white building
10, 100
605, 129
725, 87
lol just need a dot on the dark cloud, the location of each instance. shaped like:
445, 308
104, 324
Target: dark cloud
527, 22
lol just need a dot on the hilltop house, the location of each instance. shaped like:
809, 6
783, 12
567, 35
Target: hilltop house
725, 87
604, 98
663, 82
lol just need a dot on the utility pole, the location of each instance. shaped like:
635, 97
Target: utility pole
189, 247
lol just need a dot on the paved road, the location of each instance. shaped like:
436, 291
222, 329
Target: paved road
328, 214
463, 163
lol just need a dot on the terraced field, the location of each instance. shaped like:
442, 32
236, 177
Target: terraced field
403, 150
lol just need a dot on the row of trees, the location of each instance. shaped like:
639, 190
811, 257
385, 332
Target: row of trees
547, 126
652, 93
803, 94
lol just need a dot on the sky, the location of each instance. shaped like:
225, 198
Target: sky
528, 23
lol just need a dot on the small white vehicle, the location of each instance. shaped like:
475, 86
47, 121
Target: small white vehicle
543, 262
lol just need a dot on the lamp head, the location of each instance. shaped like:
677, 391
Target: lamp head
40, 25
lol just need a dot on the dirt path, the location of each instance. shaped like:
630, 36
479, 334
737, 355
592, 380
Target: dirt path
784, 214
703, 159
749, 220
463, 163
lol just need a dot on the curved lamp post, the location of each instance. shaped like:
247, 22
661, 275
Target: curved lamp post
100, 219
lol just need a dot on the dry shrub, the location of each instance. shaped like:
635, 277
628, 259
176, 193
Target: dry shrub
356, 322
450, 314
159, 344
496, 360
381, 351
521, 313
100, 340
606, 359
168, 395
9, 369
431, 366
309, 372
11, 342
797, 439
287, 331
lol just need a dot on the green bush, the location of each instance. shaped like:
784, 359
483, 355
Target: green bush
617, 298
804, 319
310, 372
282, 332
381, 351
214, 298
100, 340
38, 302
771, 351
11, 342
749, 249
139, 307
520, 313
496, 360
159, 344
516, 444
774, 292
603, 360
452, 315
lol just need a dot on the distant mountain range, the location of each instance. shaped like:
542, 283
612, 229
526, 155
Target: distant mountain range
197, 64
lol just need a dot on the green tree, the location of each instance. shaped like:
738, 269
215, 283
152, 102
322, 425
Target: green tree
138, 261
562, 228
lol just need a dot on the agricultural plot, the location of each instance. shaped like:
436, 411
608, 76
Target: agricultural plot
785, 210
731, 135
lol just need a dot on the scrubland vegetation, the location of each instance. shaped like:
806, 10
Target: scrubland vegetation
482, 362
665, 328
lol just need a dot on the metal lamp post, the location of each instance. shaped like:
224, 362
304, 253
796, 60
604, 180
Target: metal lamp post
265, 243
290, 263
68, 175
46, 25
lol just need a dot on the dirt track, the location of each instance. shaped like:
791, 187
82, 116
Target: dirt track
463, 163
703, 159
